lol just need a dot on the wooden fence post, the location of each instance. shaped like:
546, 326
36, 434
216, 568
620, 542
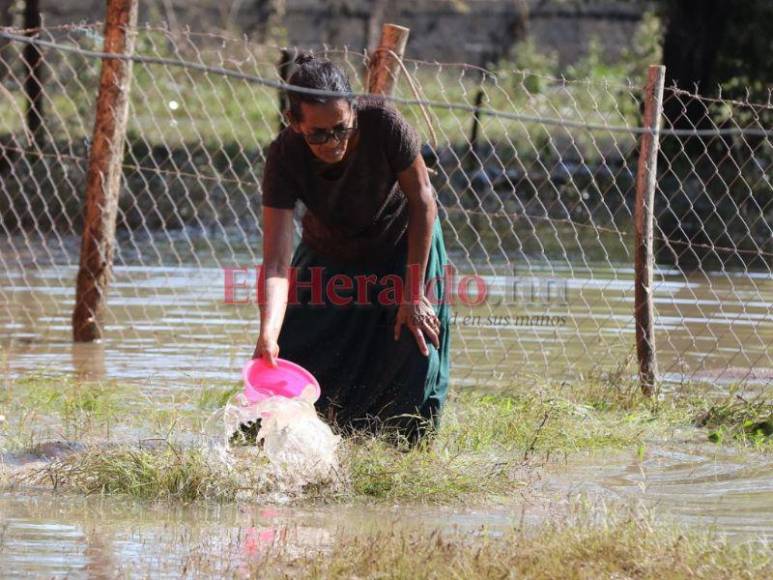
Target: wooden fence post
384, 68
646, 182
103, 178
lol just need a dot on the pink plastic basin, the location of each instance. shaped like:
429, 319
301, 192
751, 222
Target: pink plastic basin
287, 379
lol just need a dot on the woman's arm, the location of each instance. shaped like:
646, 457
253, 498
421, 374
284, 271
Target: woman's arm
422, 211
277, 254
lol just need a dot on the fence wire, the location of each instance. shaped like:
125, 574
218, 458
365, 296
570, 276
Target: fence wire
534, 176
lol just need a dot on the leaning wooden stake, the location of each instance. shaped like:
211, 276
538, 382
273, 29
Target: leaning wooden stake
646, 181
384, 68
104, 172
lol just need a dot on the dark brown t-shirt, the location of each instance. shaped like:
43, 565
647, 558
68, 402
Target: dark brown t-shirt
356, 211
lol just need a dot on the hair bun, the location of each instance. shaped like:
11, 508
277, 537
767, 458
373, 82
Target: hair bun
304, 57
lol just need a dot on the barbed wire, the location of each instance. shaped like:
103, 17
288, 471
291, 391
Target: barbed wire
133, 167
719, 99
280, 85
512, 215
244, 38
532, 177
599, 228
57, 27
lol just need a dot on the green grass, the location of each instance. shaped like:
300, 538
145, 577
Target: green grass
379, 472
39, 407
738, 419
172, 106
165, 473
485, 448
214, 397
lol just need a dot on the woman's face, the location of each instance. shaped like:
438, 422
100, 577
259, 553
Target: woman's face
322, 119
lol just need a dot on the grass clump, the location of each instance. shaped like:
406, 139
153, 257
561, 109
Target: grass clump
732, 419
600, 545
736, 419
487, 444
65, 395
164, 473
41, 406
378, 470
217, 396
372, 469
537, 423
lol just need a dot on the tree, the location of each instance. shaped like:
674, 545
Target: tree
715, 42
711, 194
694, 33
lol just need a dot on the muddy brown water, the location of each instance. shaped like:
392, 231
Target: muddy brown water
169, 328
63, 535
55, 536
170, 325
694, 484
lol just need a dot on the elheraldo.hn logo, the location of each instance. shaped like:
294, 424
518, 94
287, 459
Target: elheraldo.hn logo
522, 301
530, 292
540, 290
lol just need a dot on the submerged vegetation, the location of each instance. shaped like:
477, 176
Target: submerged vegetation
487, 446
627, 544
165, 473
489, 451
747, 421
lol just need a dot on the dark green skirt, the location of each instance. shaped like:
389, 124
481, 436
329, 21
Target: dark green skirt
370, 382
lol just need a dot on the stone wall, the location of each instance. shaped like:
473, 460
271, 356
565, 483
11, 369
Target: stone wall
440, 29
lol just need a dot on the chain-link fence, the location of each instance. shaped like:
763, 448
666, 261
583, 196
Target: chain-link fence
535, 178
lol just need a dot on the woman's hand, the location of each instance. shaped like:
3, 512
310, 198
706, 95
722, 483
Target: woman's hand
267, 349
420, 318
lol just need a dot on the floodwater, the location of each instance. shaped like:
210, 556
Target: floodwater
55, 535
75, 536
169, 328
170, 325
699, 485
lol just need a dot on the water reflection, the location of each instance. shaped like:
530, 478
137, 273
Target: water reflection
170, 325
56, 535
49, 535
88, 361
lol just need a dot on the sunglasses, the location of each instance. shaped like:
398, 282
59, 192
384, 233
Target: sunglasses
322, 137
